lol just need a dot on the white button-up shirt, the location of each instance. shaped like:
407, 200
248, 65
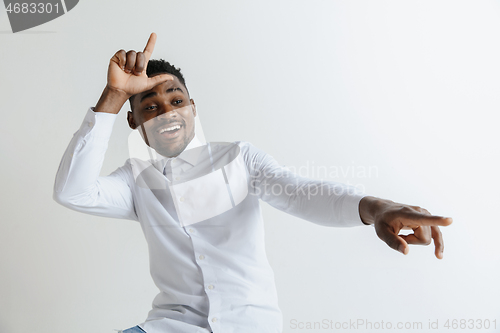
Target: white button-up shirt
204, 229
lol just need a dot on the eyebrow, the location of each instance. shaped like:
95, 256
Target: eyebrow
152, 94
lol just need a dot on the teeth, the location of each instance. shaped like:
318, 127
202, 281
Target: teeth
176, 127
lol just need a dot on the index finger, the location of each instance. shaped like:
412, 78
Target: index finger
420, 219
150, 46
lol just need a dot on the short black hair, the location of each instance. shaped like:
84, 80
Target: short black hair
160, 66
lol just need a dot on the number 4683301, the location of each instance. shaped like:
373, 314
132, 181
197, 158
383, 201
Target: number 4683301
470, 324
32, 8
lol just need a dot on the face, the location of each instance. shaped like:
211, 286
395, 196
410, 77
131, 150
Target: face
164, 116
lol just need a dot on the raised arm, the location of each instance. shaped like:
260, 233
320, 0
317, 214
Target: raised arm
78, 185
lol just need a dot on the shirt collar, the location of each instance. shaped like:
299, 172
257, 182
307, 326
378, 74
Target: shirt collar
189, 154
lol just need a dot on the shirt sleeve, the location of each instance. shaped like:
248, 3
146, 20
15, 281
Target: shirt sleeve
322, 202
78, 185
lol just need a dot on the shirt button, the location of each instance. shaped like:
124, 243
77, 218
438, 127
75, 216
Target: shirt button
201, 257
214, 320
91, 124
181, 199
177, 178
191, 230
210, 287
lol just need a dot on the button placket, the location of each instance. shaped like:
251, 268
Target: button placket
209, 276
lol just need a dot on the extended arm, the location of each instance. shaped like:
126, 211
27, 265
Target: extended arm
321, 202
334, 204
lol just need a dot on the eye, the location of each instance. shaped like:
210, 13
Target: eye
150, 108
178, 101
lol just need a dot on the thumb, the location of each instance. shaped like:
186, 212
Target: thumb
157, 79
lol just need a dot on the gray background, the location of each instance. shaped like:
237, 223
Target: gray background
409, 88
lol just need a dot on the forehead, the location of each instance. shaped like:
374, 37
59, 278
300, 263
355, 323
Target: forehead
163, 87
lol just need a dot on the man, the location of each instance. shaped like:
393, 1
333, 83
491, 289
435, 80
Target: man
198, 204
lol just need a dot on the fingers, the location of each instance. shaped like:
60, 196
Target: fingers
130, 62
130, 65
135, 62
157, 79
120, 58
420, 236
150, 46
391, 238
393, 218
438, 242
140, 63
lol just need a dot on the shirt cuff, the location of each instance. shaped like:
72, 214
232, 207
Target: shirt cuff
98, 124
350, 209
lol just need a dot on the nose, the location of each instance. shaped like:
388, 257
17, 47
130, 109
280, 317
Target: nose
166, 110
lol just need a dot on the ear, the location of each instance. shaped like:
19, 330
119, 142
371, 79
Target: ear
131, 121
194, 106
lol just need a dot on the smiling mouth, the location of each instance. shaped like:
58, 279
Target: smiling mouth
169, 131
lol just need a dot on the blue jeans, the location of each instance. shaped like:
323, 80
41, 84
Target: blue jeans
135, 329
